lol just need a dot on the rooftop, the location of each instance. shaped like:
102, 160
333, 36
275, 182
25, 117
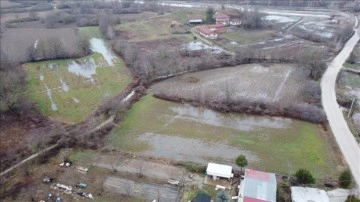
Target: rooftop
258, 186
219, 170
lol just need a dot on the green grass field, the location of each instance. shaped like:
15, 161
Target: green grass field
280, 150
352, 66
109, 81
244, 37
155, 29
84, 95
90, 31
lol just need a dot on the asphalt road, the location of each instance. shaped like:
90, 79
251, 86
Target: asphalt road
345, 139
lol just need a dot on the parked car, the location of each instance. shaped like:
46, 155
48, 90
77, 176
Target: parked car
81, 185
47, 180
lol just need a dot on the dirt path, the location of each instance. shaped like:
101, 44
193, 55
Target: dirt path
27, 159
142, 190
106, 122
345, 139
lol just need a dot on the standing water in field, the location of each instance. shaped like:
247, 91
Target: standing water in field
84, 67
64, 86
98, 45
48, 92
235, 121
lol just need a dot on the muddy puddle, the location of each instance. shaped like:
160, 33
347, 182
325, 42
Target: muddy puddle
194, 150
49, 93
85, 68
99, 46
278, 18
235, 121
197, 46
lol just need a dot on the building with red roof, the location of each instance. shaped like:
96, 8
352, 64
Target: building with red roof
221, 18
257, 186
211, 31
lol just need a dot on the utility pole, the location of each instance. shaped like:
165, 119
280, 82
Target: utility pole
352, 104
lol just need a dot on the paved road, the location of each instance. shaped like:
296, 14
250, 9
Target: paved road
345, 139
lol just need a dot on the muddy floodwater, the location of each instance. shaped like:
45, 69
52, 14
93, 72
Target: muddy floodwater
198, 45
235, 121
85, 68
99, 46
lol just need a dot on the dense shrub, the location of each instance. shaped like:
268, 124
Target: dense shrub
304, 177
345, 179
195, 168
352, 198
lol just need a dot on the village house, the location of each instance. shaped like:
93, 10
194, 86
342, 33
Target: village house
235, 22
211, 31
222, 18
257, 186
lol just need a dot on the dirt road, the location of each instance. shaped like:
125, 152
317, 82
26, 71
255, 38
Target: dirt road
142, 190
339, 127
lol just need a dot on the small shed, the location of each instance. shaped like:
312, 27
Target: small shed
219, 170
195, 21
305, 194
201, 197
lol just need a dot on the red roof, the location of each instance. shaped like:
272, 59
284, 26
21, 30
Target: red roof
205, 29
221, 15
254, 174
249, 199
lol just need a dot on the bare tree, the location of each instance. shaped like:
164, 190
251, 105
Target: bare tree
228, 92
12, 82
140, 167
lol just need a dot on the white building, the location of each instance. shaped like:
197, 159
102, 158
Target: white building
217, 170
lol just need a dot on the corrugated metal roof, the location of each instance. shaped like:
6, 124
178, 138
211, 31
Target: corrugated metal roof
259, 186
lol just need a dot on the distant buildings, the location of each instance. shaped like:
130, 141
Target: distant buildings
222, 18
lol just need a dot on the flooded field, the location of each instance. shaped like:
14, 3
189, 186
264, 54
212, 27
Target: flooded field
181, 132
279, 84
198, 46
99, 46
69, 90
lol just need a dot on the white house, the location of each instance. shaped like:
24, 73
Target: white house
217, 170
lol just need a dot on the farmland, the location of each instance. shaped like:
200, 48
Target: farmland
154, 29
167, 126
169, 101
280, 84
69, 90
